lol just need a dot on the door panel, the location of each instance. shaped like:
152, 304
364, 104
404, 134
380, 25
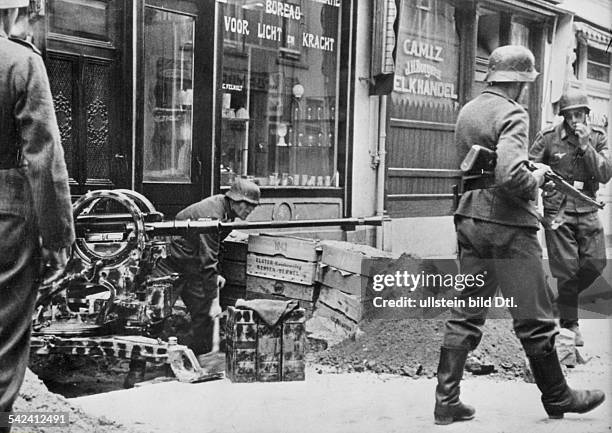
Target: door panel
175, 101
84, 64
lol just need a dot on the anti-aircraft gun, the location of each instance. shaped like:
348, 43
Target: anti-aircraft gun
107, 303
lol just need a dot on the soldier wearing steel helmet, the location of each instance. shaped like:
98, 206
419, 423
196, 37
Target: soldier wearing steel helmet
575, 239
196, 259
496, 225
35, 209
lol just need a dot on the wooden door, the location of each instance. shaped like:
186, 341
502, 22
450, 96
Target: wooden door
84, 47
175, 101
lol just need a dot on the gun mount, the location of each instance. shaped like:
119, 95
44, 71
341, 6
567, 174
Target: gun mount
107, 304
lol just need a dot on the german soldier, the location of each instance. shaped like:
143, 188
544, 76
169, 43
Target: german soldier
578, 152
196, 259
496, 227
35, 209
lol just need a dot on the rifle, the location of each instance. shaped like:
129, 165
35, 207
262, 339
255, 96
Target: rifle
481, 161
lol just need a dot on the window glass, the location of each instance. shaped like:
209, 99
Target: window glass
168, 83
598, 65
279, 92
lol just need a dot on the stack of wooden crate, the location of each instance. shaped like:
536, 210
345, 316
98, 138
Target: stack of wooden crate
232, 263
346, 272
282, 268
259, 352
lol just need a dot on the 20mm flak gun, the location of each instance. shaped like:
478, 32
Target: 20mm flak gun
107, 303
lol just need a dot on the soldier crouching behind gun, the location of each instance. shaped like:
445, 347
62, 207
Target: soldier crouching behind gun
575, 239
195, 258
496, 227
35, 210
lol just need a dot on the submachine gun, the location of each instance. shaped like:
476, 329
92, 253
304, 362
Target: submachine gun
107, 303
481, 161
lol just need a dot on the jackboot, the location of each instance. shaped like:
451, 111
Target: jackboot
557, 397
450, 371
136, 373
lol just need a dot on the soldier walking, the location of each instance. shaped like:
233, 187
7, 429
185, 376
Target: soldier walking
497, 227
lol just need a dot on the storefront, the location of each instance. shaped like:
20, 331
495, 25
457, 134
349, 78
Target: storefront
442, 57
175, 98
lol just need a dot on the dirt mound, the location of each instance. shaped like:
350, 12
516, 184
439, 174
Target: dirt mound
35, 397
411, 347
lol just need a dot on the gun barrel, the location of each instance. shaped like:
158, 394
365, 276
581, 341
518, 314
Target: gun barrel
181, 228
121, 223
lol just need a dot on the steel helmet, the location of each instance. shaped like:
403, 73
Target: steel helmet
511, 63
573, 98
244, 190
9, 4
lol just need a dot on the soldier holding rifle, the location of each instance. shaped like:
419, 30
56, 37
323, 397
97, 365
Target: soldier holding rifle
497, 225
577, 152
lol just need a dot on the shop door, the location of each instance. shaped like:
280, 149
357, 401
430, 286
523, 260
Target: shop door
175, 102
83, 57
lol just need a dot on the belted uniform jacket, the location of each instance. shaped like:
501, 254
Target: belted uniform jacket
560, 150
495, 121
197, 256
33, 175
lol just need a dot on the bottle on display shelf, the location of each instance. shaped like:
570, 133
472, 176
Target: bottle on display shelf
320, 140
300, 139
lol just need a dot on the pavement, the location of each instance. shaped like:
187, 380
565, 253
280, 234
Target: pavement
328, 402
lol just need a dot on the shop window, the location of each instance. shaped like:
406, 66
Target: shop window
598, 65
168, 84
280, 92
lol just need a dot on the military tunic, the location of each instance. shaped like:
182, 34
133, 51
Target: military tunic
576, 249
196, 259
34, 202
496, 227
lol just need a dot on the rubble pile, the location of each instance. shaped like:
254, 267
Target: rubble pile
35, 397
411, 348
407, 341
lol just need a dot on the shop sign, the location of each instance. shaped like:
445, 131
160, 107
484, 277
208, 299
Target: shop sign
427, 61
276, 24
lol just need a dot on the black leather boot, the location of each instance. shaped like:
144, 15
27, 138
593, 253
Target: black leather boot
557, 397
450, 371
136, 373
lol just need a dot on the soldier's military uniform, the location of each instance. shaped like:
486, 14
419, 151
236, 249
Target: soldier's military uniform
497, 228
34, 202
196, 259
576, 248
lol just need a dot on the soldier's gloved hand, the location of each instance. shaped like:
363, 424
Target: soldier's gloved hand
540, 172
55, 264
220, 282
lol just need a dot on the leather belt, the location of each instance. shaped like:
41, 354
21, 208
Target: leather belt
478, 182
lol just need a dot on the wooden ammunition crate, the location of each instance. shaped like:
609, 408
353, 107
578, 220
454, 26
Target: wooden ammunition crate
290, 247
269, 286
350, 305
348, 282
281, 268
358, 259
256, 351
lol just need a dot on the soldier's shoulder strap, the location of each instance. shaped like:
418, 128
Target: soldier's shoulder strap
27, 44
549, 129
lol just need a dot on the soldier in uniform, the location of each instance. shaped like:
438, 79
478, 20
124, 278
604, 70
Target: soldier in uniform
35, 209
496, 227
196, 259
578, 152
